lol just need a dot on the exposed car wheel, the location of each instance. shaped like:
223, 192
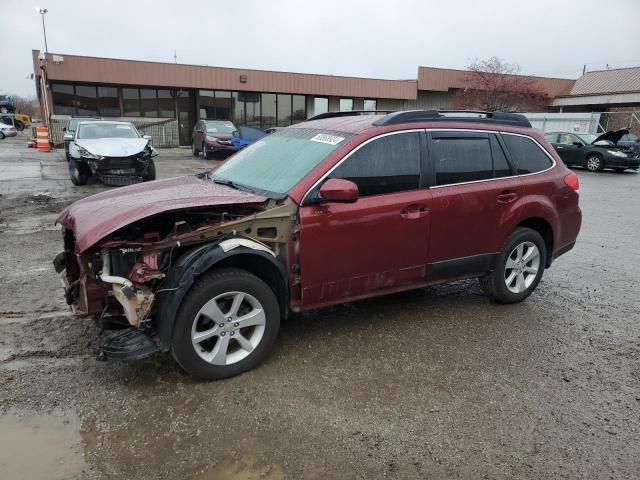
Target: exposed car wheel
151, 172
226, 325
2, 135
194, 150
594, 163
4, 110
518, 269
78, 172
19, 125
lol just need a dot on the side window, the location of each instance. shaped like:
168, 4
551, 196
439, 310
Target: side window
551, 137
500, 165
567, 139
461, 159
528, 156
385, 165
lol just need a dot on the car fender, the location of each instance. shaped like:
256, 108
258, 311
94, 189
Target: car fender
540, 206
186, 270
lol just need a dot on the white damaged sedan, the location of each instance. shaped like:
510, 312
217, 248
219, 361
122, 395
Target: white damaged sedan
113, 152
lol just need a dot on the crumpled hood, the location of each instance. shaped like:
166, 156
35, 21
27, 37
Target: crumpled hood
95, 217
113, 147
613, 136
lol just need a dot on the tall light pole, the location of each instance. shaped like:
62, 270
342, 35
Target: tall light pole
42, 12
43, 67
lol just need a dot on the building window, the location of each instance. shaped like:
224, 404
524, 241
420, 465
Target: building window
131, 102
370, 104
148, 102
86, 100
284, 110
207, 104
268, 110
252, 107
108, 103
237, 108
223, 103
166, 104
63, 99
346, 104
298, 108
320, 105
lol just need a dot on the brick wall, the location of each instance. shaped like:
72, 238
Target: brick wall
622, 117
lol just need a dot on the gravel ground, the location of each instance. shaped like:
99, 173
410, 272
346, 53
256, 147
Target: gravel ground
432, 383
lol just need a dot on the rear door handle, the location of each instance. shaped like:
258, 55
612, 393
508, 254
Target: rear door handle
507, 197
414, 211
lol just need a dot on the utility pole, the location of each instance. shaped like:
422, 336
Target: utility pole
43, 67
42, 12
175, 56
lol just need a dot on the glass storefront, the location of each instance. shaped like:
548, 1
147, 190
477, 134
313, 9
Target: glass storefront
370, 104
320, 105
346, 104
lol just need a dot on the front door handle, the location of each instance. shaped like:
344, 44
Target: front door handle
414, 211
507, 197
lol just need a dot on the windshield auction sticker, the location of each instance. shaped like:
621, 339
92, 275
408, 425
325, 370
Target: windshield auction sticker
326, 138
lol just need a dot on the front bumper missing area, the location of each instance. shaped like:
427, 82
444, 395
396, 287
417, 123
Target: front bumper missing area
128, 344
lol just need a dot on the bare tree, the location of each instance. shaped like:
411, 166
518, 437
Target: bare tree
495, 85
27, 105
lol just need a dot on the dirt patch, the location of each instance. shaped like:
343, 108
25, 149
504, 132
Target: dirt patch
40, 447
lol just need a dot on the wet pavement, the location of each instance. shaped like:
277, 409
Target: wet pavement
434, 383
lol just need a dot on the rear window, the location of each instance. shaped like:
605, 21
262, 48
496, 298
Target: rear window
528, 156
462, 159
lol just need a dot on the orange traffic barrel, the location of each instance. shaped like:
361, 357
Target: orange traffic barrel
42, 139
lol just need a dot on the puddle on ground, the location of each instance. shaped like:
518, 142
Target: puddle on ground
246, 470
35, 447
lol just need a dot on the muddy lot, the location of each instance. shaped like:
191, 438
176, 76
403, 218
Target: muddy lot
435, 383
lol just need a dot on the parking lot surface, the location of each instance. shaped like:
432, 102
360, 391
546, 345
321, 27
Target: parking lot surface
433, 383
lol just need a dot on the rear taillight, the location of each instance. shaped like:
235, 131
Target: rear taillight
572, 181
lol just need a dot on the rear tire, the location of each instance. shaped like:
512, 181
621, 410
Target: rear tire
518, 269
151, 172
594, 163
19, 125
218, 305
78, 172
2, 135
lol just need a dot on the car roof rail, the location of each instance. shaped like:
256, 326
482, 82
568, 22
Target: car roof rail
413, 116
350, 113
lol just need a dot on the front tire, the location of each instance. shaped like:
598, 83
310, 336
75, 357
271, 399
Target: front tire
518, 269
2, 135
227, 324
78, 172
151, 172
205, 151
594, 163
194, 150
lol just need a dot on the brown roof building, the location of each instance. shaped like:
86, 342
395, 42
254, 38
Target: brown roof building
176, 96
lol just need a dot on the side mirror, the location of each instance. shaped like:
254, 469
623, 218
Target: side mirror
235, 133
199, 131
339, 190
67, 136
147, 137
577, 144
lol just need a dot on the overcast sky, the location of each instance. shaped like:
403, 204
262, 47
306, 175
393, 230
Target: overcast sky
381, 39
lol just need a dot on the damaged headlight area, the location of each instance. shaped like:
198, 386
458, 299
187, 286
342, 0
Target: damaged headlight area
84, 153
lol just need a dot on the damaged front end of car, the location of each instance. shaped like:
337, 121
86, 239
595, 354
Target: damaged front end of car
120, 171
138, 274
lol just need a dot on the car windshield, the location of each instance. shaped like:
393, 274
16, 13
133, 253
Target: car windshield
274, 164
587, 137
107, 130
220, 127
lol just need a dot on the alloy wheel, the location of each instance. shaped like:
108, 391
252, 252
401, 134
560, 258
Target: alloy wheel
593, 163
521, 269
228, 328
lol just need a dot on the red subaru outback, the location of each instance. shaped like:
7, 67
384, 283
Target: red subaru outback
339, 208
